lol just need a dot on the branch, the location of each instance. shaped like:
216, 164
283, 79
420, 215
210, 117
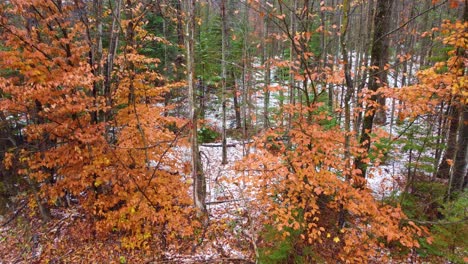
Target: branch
14, 215
409, 20
157, 144
224, 201
171, 145
437, 222
22, 39
217, 145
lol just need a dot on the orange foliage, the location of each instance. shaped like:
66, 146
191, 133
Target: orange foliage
119, 170
303, 184
443, 81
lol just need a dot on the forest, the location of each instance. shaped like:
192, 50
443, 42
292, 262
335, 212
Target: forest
233, 131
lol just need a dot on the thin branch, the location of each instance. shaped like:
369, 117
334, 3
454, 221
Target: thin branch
422, 222
26, 42
218, 145
225, 201
171, 145
410, 20
157, 144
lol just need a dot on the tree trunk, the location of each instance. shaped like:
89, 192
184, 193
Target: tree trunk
267, 72
223, 77
237, 109
111, 53
440, 140
444, 168
457, 177
292, 59
348, 95
377, 75
246, 82
199, 184
366, 40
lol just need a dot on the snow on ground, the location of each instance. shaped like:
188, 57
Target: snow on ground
227, 201
385, 180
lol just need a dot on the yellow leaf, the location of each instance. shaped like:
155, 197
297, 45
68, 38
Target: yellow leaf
97, 183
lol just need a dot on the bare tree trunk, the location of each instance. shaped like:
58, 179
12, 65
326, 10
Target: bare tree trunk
348, 81
111, 53
223, 78
237, 108
199, 183
246, 81
458, 174
444, 168
364, 75
440, 140
97, 59
267, 72
292, 60
377, 75
324, 57
113, 45
347, 100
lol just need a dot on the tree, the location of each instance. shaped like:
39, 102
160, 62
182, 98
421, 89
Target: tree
459, 174
301, 188
457, 68
199, 182
223, 77
443, 170
443, 82
377, 77
119, 182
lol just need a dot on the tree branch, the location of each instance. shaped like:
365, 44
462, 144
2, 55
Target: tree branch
409, 20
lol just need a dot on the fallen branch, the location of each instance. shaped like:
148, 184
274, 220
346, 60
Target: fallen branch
224, 201
14, 215
219, 145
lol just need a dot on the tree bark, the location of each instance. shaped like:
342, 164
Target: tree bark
377, 75
292, 59
444, 168
237, 109
267, 72
246, 82
458, 175
223, 78
199, 184
348, 95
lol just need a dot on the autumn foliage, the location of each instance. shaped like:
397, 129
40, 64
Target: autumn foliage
107, 151
98, 145
444, 82
303, 186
